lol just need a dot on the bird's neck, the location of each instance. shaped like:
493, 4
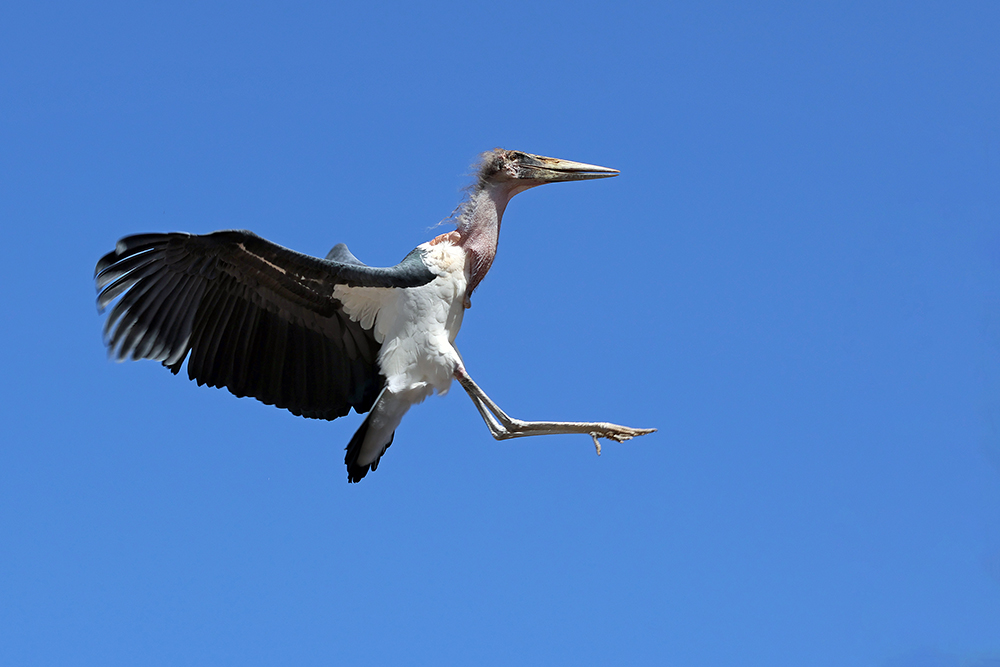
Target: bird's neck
479, 227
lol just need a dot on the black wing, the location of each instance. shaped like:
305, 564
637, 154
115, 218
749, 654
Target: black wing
256, 318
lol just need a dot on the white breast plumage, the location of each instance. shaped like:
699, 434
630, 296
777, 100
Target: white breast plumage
416, 326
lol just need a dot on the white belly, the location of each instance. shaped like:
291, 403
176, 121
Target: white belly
416, 326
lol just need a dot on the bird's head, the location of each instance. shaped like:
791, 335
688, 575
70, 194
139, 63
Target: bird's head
515, 171
501, 174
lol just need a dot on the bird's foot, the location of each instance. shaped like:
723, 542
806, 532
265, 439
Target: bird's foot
617, 433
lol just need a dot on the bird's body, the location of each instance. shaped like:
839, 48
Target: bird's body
321, 336
416, 328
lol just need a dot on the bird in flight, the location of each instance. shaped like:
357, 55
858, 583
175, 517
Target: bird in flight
316, 336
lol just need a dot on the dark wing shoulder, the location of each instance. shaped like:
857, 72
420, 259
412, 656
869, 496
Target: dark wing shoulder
249, 315
411, 272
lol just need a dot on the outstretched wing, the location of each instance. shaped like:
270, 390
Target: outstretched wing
256, 318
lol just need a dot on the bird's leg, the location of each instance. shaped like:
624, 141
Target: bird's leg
496, 428
502, 426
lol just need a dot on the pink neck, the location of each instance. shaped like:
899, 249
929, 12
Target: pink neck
480, 229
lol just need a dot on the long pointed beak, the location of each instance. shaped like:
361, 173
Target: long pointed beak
554, 170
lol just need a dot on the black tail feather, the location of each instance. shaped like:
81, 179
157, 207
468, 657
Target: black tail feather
355, 472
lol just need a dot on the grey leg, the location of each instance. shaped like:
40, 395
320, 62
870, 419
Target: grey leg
502, 426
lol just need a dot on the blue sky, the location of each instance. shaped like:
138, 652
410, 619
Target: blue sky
796, 279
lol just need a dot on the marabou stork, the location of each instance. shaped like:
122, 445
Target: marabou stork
316, 336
